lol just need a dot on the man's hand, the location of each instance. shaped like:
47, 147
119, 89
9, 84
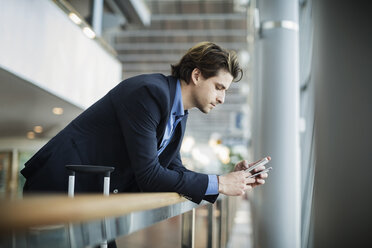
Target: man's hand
235, 183
227, 185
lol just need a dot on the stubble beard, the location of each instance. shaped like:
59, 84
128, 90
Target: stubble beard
200, 106
205, 109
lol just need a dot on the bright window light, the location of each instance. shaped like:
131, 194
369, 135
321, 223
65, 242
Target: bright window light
187, 144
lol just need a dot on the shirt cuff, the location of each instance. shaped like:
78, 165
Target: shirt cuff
212, 185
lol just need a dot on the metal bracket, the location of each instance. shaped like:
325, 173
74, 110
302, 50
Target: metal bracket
267, 25
291, 25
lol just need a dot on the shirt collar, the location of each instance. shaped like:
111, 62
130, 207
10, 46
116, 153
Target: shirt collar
177, 108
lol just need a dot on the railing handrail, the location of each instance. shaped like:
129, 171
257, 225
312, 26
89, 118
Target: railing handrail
40, 210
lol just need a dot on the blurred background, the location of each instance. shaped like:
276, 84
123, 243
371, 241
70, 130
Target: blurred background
305, 99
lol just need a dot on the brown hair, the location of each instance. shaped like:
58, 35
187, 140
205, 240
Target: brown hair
209, 58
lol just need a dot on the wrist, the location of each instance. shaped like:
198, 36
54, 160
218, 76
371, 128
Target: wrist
220, 190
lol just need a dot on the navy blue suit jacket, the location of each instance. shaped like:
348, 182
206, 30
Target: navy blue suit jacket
123, 129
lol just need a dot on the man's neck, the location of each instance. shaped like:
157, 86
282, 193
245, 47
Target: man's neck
186, 95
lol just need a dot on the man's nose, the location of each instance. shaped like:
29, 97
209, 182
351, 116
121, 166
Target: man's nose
221, 97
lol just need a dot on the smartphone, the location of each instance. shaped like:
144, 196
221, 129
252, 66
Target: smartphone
261, 172
262, 162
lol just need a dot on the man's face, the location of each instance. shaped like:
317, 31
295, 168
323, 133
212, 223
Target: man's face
208, 93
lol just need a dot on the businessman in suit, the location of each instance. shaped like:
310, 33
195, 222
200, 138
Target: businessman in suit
138, 128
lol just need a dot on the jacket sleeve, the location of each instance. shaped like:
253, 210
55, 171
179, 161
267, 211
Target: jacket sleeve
139, 115
177, 165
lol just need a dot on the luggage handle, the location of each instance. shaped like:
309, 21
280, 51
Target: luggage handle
91, 169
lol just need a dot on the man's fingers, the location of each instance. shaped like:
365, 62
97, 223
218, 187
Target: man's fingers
259, 168
264, 175
243, 164
247, 174
260, 181
246, 187
250, 180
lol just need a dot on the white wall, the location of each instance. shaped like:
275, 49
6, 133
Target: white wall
40, 43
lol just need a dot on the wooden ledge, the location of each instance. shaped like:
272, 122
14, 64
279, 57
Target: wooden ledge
57, 209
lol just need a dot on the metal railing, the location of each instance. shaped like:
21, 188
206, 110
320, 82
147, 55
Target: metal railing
86, 220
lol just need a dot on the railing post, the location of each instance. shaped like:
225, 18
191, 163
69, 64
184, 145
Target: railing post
188, 229
223, 222
210, 226
217, 231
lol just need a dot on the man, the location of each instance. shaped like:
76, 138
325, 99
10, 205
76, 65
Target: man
138, 129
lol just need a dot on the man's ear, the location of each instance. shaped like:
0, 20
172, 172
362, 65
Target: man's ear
195, 76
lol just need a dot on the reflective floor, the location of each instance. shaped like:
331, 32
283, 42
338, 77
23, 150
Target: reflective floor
242, 233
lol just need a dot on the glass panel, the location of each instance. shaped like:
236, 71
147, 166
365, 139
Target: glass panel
5, 169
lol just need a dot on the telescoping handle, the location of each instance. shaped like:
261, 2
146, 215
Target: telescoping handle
91, 169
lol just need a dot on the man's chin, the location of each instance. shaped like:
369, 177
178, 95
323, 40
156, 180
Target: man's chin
205, 110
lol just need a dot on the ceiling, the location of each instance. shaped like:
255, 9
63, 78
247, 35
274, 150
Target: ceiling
25, 105
175, 27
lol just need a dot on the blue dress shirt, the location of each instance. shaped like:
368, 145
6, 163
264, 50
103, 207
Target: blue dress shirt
176, 115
